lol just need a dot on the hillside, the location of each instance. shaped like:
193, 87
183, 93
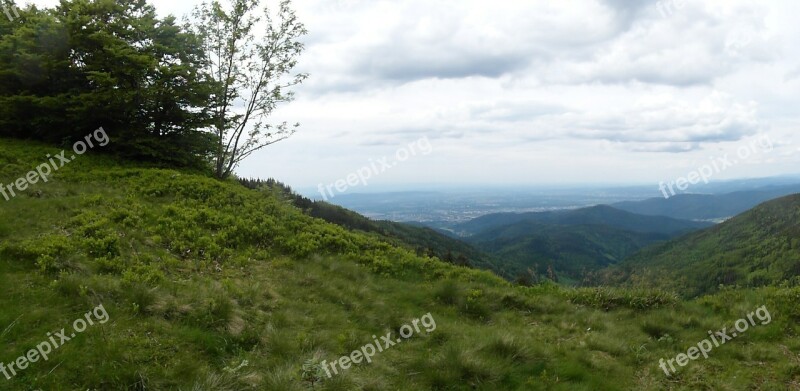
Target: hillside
421, 239
707, 206
757, 248
209, 285
595, 215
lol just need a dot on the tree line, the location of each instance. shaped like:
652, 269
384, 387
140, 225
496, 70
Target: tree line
197, 93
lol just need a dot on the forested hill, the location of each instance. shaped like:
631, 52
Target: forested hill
563, 253
757, 248
568, 245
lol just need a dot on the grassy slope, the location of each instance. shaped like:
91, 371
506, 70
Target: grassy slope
199, 275
759, 247
422, 240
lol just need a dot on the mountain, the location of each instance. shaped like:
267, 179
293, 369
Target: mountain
707, 206
595, 215
757, 248
208, 285
744, 184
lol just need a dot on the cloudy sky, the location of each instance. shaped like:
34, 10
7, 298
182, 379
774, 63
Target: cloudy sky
539, 92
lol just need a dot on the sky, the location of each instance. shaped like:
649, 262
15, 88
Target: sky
463, 92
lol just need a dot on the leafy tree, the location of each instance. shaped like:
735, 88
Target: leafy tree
34, 76
140, 75
87, 63
251, 69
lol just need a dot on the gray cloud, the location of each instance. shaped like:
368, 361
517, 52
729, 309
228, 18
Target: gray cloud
414, 64
666, 147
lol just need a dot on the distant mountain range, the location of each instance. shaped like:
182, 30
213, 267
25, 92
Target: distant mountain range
707, 206
595, 215
757, 248
442, 206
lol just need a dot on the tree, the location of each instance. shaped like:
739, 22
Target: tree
141, 75
87, 63
551, 274
251, 69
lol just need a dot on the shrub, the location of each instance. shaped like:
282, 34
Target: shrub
609, 298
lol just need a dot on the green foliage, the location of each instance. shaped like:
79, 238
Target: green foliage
48, 253
251, 72
115, 64
609, 298
313, 372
